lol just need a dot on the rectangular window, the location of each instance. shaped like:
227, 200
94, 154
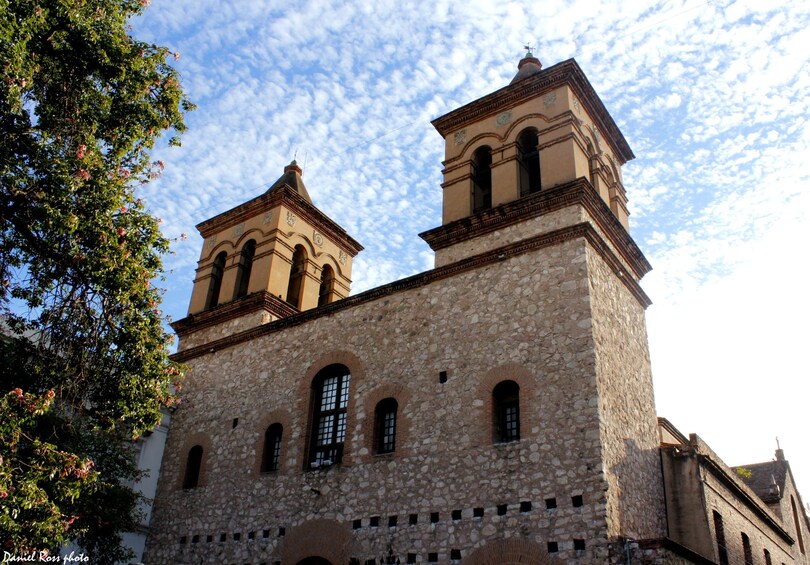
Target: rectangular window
389, 431
720, 536
330, 418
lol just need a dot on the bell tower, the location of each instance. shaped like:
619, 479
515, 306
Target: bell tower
546, 129
271, 257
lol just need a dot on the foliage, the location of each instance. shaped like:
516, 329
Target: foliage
84, 356
743, 472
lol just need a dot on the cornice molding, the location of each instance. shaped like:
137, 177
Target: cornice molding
579, 231
566, 72
253, 302
577, 192
287, 196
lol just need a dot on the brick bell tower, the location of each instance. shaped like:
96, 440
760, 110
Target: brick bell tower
535, 167
271, 257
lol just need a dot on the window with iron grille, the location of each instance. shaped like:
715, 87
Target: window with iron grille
506, 408
331, 398
271, 454
386, 426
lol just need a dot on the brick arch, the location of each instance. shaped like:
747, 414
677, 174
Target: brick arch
334, 542
284, 418
255, 234
401, 394
528, 393
515, 551
305, 398
536, 120
489, 139
217, 249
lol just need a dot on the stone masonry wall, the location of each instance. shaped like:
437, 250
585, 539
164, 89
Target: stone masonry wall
528, 319
628, 424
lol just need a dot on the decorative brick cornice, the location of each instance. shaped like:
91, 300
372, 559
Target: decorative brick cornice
577, 192
579, 231
287, 196
253, 302
566, 72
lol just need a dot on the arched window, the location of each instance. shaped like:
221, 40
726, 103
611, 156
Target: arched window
797, 524
327, 285
297, 272
482, 179
216, 281
243, 269
592, 163
528, 162
748, 557
271, 454
193, 465
767, 555
385, 426
330, 399
506, 411
720, 537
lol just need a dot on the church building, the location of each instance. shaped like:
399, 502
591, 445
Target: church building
495, 409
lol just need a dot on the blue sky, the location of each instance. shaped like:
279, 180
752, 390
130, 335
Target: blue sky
712, 97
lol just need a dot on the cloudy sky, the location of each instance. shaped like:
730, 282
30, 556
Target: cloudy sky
713, 97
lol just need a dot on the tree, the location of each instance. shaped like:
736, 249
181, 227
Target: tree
84, 362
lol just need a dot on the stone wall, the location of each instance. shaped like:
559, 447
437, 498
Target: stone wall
447, 490
628, 425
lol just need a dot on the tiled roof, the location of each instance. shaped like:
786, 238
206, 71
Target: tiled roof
760, 477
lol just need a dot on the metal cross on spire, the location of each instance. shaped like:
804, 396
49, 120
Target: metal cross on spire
528, 47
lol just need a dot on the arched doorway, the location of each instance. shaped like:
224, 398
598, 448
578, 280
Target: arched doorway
314, 560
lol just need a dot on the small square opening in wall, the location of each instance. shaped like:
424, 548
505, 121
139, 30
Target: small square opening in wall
209, 538
502, 510
433, 557
357, 524
183, 539
371, 562
478, 512
237, 537
456, 515
234, 423
354, 561
526, 506
265, 533
392, 521
374, 522
411, 558
434, 517
281, 531
579, 544
442, 377
251, 535
551, 503
552, 547
195, 539
576, 500
413, 519
455, 555
223, 537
